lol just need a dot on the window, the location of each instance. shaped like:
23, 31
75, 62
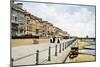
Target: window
37, 31
16, 18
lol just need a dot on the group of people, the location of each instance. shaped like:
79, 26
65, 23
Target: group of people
54, 40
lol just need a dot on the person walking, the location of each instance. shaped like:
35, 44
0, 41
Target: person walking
51, 40
58, 41
54, 39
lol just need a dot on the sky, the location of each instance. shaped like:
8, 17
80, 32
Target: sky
77, 20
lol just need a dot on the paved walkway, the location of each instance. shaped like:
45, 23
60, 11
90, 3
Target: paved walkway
61, 56
28, 58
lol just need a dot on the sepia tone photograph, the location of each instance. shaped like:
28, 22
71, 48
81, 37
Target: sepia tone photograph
52, 33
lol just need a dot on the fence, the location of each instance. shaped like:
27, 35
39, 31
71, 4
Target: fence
46, 54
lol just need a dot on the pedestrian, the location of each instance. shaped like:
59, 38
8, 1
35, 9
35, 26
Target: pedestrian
54, 39
50, 40
58, 41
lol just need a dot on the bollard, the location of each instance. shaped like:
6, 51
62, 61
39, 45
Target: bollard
56, 50
60, 48
66, 45
63, 47
69, 43
49, 54
37, 57
12, 60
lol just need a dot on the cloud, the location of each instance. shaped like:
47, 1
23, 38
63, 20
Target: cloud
75, 19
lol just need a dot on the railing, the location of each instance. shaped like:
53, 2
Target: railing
49, 52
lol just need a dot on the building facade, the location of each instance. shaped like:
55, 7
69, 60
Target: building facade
17, 20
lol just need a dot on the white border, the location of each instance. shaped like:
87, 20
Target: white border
5, 33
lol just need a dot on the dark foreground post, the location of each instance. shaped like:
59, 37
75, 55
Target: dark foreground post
49, 54
59, 48
66, 45
56, 50
63, 47
37, 57
12, 60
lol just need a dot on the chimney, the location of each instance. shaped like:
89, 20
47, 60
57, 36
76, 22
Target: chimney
12, 2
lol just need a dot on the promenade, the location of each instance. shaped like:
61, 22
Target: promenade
52, 53
26, 55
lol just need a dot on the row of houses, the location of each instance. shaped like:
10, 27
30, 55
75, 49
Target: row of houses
24, 23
